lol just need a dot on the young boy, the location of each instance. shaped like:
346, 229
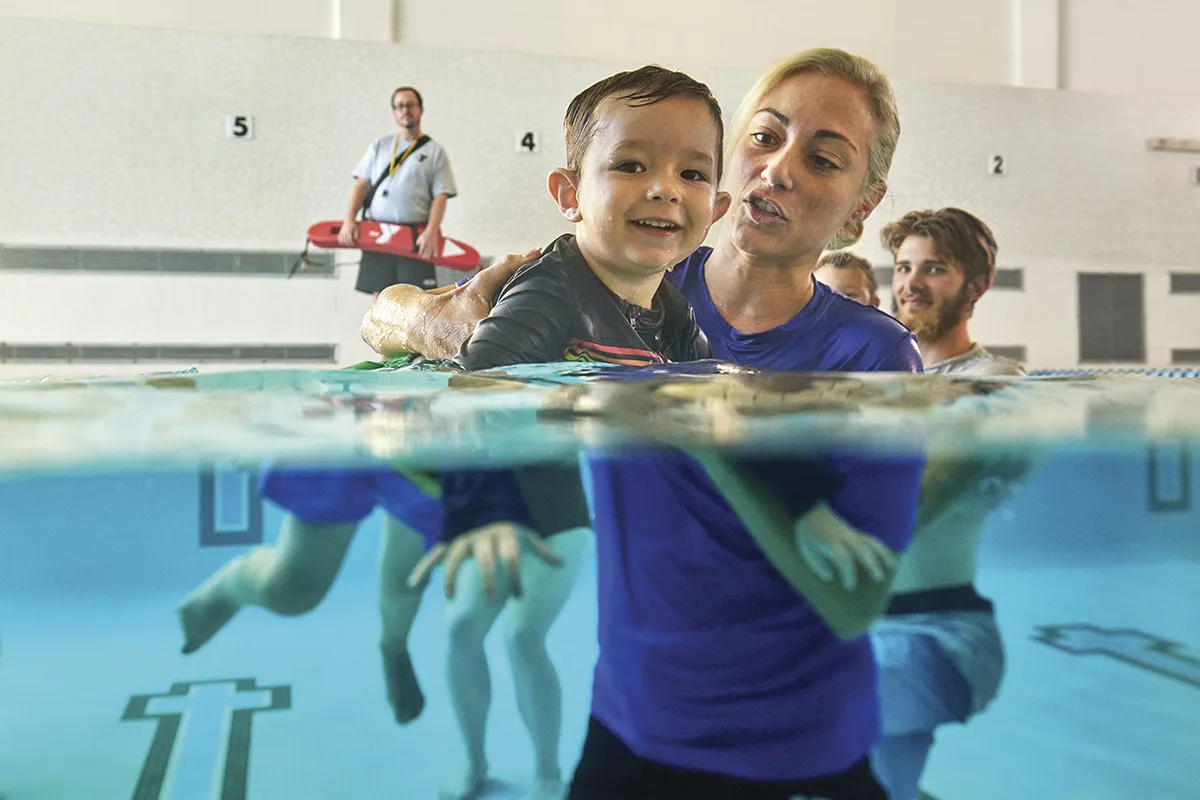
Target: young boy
849, 274
640, 184
643, 162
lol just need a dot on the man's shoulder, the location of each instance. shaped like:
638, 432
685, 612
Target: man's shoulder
979, 361
387, 139
993, 364
432, 146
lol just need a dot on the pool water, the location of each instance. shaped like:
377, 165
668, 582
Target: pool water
117, 499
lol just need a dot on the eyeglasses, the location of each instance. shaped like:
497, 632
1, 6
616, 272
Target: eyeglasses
406, 106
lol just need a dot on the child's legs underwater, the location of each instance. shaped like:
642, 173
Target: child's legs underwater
413, 522
470, 615
291, 576
400, 549
528, 620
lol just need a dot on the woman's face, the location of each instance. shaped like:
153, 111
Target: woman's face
798, 174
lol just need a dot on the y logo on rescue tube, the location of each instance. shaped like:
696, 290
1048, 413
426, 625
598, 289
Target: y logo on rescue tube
386, 232
202, 745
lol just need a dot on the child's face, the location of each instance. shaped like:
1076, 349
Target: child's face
850, 281
647, 192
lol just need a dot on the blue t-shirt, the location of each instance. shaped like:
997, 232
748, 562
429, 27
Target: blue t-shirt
709, 660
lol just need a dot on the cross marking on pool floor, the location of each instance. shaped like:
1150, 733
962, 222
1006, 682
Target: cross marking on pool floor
201, 749
1134, 647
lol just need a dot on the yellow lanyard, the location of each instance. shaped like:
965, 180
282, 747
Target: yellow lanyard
395, 148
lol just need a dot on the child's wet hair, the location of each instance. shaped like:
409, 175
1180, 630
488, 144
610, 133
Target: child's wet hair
639, 87
844, 259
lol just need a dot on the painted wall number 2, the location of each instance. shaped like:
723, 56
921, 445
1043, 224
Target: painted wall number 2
996, 165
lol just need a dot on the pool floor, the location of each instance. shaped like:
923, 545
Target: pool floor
1089, 725
1101, 699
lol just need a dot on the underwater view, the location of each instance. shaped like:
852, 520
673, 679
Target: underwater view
123, 495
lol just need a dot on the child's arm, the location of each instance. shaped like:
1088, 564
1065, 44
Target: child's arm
531, 323
860, 526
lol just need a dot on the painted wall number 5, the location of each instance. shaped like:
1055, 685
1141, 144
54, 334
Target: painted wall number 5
239, 127
996, 165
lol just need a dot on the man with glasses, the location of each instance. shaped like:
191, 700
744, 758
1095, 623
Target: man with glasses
403, 178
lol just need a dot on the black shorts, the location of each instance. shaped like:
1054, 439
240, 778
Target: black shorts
377, 271
609, 770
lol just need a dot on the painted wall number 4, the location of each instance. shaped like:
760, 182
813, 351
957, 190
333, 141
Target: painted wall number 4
996, 165
527, 142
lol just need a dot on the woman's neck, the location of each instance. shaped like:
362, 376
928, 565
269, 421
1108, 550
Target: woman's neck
755, 295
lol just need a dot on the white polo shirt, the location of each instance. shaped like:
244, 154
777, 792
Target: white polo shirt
408, 195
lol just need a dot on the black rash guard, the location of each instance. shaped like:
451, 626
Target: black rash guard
556, 309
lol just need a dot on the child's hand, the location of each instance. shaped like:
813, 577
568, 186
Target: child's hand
497, 541
830, 547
